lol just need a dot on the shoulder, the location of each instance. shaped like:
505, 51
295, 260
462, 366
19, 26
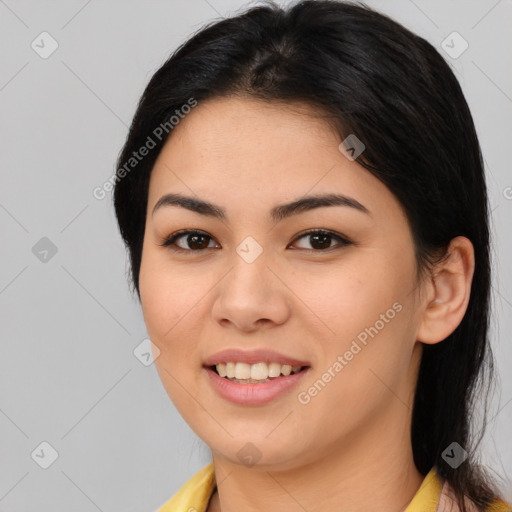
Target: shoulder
447, 503
436, 495
195, 494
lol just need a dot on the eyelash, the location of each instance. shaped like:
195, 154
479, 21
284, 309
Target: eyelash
169, 242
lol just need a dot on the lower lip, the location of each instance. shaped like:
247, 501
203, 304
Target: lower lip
253, 394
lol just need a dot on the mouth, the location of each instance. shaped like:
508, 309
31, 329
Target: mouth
254, 377
254, 384
257, 373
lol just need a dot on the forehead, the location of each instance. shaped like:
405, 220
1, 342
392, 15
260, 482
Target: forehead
234, 132
246, 151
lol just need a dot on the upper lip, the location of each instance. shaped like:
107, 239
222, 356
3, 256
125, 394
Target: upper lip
252, 357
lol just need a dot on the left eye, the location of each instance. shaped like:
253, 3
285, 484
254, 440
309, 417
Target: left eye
321, 240
195, 241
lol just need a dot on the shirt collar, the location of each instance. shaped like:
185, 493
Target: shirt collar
196, 493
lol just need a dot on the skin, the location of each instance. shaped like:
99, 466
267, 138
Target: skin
247, 156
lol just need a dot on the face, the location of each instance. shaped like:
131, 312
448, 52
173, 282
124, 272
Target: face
327, 287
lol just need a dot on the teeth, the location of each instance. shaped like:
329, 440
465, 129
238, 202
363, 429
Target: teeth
259, 371
230, 370
274, 370
242, 371
254, 372
221, 370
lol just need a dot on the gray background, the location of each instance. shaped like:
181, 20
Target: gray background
69, 325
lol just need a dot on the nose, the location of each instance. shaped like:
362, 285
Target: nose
252, 296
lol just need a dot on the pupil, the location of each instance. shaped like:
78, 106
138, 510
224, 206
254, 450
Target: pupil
193, 239
324, 241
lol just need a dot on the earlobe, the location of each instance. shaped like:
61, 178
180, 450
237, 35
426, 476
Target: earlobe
450, 291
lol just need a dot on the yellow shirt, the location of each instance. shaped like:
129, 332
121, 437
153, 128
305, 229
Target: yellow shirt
195, 495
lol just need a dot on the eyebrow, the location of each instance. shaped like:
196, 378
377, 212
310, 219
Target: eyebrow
277, 213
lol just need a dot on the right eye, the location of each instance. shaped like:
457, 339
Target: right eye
188, 241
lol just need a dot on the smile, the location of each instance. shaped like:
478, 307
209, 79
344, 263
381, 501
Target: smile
258, 392
244, 373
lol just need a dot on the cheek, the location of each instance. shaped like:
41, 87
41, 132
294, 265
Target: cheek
368, 307
349, 297
170, 318
168, 296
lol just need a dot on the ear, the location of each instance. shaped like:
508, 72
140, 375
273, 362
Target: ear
448, 292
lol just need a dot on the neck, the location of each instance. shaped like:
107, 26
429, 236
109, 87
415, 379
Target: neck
373, 469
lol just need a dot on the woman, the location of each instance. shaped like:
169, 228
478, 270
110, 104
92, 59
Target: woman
307, 225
